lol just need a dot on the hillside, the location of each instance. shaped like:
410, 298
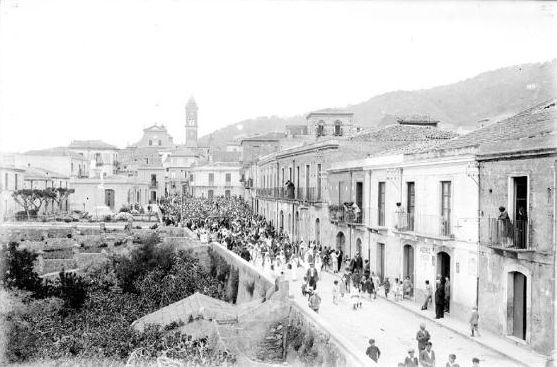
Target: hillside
492, 95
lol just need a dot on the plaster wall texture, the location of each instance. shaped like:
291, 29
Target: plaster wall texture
495, 302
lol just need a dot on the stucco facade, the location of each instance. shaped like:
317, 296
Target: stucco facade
216, 179
517, 273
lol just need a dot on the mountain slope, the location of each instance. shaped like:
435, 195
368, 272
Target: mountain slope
491, 95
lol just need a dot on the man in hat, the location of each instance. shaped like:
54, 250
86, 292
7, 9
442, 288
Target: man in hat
312, 276
422, 337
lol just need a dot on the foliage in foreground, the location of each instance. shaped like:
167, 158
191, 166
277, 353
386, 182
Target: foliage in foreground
54, 327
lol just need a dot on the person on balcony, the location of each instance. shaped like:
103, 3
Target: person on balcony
520, 226
289, 189
400, 217
504, 226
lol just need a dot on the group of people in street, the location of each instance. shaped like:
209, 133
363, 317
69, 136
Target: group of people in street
231, 222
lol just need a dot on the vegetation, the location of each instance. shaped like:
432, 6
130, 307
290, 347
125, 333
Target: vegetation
90, 316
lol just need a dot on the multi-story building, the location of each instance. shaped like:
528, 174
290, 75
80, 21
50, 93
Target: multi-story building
517, 171
11, 179
178, 168
40, 179
103, 156
216, 179
61, 160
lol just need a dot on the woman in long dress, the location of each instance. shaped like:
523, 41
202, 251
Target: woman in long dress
318, 263
334, 258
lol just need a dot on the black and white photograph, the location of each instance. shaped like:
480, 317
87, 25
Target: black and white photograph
264, 183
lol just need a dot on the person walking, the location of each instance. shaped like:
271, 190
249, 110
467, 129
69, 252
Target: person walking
355, 297
312, 276
439, 301
422, 336
474, 321
346, 278
373, 351
427, 356
387, 287
428, 295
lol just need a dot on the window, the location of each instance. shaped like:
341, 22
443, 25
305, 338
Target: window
191, 177
320, 129
150, 142
227, 193
6, 187
282, 175
319, 181
160, 142
210, 194
307, 180
98, 159
290, 173
410, 204
338, 128
211, 179
72, 168
445, 208
381, 204
228, 179
15, 181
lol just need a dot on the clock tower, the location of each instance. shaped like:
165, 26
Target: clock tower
191, 123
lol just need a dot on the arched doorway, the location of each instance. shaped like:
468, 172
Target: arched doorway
341, 240
359, 246
408, 262
517, 304
443, 265
317, 231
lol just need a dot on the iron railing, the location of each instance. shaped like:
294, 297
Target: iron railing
432, 225
508, 234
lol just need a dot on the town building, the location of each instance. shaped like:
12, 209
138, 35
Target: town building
155, 137
62, 160
103, 156
216, 179
517, 171
11, 179
40, 179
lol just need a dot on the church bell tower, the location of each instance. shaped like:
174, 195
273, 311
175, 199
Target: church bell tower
191, 123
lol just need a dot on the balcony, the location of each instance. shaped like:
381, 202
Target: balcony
421, 224
506, 235
154, 185
344, 214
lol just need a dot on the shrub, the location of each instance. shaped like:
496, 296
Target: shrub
17, 269
71, 288
124, 209
107, 218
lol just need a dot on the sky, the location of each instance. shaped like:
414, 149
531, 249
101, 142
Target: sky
106, 69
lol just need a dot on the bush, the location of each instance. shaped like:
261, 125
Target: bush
107, 218
17, 269
124, 209
71, 288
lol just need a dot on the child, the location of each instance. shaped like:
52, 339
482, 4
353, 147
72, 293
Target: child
342, 288
372, 351
346, 277
355, 297
451, 362
475, 362
336, 291
370, 287
387, 287
474, 321
305, 286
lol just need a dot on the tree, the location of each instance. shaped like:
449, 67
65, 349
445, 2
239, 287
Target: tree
61, 194
17, 269
33, 199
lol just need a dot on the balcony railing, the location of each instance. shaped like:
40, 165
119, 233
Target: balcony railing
310, 194
341, 214
507, 234
431, 225
154, 185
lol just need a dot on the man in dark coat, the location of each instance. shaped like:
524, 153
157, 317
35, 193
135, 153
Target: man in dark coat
359, 262
340, 259
439, 301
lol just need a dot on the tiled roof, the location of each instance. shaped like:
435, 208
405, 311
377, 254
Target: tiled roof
41, 173
524, 125
56, 152
393, 133
331, 111
91, 144
267, 136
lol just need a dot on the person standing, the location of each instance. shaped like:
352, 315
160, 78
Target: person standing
340, 259
336, 292
439, 301
407, 286
447, 294
422, 336
428, 295
312, 276
427, 356
474, 320
411, 360
387, 287
334, 259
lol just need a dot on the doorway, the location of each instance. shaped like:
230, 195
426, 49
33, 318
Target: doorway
381, 261
359, 246
443, 265
517, 309
341, 240
109, 198
408, 262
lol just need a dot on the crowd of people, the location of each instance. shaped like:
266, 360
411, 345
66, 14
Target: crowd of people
232, 222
